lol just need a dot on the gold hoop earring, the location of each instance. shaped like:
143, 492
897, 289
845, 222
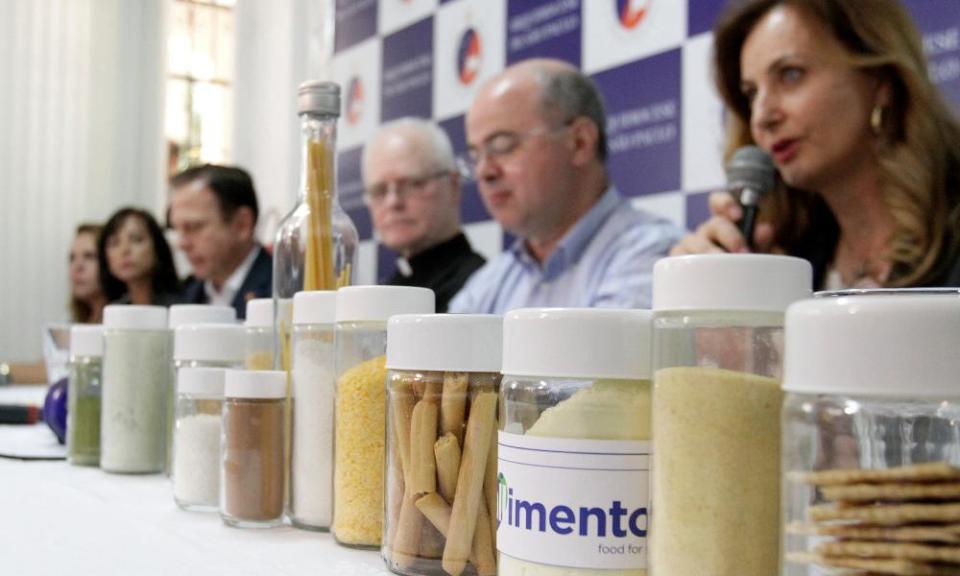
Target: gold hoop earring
876, 120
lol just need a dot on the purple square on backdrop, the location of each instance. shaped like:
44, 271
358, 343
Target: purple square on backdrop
355, 21
702, 15
939, 22
543, 28
407, 75
386, 263
471, 205
698, 209
350, 190
643, 124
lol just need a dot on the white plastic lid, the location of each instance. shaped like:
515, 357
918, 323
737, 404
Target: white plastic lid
181, 314
260, 312
86, 340
754, 282
208, 342
379, 303
315, 307
201, 381
903, 345
578, 343
135, 317
456, 342
255, 384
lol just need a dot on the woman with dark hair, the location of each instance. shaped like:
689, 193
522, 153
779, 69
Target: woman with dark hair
136, 266
86, 295
867, 152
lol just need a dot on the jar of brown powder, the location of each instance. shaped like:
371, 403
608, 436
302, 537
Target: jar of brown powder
252, 471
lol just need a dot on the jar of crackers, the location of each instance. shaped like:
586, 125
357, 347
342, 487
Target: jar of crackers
871, 433
441, 482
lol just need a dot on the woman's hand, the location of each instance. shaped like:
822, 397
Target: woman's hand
720, 233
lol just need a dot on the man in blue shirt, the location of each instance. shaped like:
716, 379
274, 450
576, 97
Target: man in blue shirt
537, 143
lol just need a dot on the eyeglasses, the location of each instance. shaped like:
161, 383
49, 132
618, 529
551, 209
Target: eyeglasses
500, 146
376, 194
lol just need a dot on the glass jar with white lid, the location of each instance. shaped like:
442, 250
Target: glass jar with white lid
871, 428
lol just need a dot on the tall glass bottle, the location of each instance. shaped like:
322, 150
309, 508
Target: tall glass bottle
317, 242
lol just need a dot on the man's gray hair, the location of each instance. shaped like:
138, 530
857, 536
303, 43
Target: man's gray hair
439, 152
570, 94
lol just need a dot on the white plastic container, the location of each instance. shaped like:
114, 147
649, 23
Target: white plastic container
442, 387
873, 387
314, 385
360, 420
196, 441
137, 365
716, 403
575, 409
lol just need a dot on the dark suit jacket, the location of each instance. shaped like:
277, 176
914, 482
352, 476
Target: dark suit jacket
257, 284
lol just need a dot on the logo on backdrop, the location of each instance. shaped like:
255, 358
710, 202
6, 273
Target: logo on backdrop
632, 12
469, 57
354, 101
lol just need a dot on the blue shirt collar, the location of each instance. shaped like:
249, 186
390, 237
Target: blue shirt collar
575, 241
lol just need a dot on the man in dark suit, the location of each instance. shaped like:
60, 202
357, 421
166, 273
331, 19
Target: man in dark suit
214, 212
412, 189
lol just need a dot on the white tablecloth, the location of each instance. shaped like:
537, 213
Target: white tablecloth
57, 519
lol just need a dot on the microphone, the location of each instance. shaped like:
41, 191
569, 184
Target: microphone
750, 176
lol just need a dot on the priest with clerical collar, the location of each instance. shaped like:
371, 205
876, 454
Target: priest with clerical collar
412, 188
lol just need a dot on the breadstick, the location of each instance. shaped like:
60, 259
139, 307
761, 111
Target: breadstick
437, 512
402, 402
447, 451
395, 487
431, 542
483, 556
466, 503
453, 404
490, 483
423, 433
406, 542
433, 388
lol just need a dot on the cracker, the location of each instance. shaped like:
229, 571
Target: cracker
936, 471
891, 515
949, 534
892, 492
898, 550
874, 565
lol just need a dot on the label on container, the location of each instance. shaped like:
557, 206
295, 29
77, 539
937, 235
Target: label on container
574, 503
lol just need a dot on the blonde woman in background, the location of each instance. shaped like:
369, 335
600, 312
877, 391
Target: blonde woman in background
86, 301
86, 295
866, 150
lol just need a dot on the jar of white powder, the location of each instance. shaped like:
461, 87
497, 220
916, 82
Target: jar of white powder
182, 315
203, 345
360, 414
716, 404
311, 461
872, 430
572, 491
196, 442
137, 363
442, 393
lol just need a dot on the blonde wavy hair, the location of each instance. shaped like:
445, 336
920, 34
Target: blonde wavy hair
917, 146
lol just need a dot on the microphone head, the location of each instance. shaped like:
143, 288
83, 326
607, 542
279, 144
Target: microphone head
750, 169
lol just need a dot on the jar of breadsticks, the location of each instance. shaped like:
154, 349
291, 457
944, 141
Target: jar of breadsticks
359, 422
441, 483
871, 433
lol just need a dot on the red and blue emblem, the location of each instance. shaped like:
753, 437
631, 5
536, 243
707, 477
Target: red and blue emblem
632, 12
355, 101
469, 57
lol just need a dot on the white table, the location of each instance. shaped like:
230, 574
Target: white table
57, 519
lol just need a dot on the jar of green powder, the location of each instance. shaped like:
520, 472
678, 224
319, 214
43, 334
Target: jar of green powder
83, 411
